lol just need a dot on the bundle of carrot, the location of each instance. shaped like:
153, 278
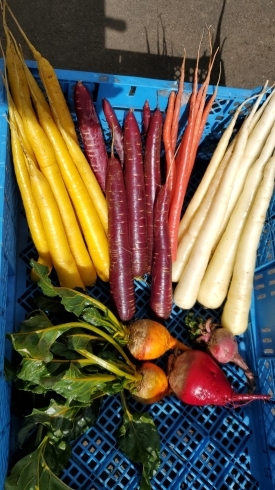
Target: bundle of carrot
137, 209
180, 161
65, 207
220, 230
94, 214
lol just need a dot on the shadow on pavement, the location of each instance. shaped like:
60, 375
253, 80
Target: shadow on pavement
163, 66
74, 38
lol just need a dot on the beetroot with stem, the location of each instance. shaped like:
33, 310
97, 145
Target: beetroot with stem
221, 345
148, 340
196, 379
153, 385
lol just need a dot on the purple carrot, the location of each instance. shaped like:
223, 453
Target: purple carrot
161, 288
146, 117
135, 192
91, 133
121, 275
152, 175
115, 128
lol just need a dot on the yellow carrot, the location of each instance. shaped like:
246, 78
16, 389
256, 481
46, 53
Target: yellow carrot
51, 84
75, 154
34, 87
31, 209
92, 228
89, 220
62, 257
23, 180
32, 133
56, 149
50, 169
15, 70
88, 177
20, 127
60, 114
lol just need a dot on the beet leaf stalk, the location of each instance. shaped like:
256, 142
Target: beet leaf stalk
145, 339
139, 439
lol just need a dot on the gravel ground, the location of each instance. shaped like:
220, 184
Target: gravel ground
141, 38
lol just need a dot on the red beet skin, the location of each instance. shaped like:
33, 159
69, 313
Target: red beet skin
196, 379
152, 175
161, 287
121, 275
91, 133
223, 345
115, 128
135, 193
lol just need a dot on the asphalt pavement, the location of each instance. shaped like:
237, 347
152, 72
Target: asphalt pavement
142, 38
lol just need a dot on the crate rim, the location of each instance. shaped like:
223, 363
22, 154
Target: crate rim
227, 93
129, 80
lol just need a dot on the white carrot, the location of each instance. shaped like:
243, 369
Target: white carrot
191, 233
253, 149
187, 289
236, 310
261, 109
197, 210
212, 167
215, 283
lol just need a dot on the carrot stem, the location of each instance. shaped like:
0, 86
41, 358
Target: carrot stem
181, 164
203, 120
187, 152
176, 114
202, 114
170, 163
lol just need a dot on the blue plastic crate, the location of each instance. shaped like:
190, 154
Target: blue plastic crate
201, 447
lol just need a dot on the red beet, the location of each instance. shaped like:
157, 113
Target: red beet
223, 347
196, 379
91, 133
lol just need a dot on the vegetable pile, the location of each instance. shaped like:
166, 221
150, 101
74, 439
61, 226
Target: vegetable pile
115, 214
72, 365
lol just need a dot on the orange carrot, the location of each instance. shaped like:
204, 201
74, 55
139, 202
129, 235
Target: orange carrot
201, 127
188, 149
199, 109
176, 114
182, 165
169, 154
